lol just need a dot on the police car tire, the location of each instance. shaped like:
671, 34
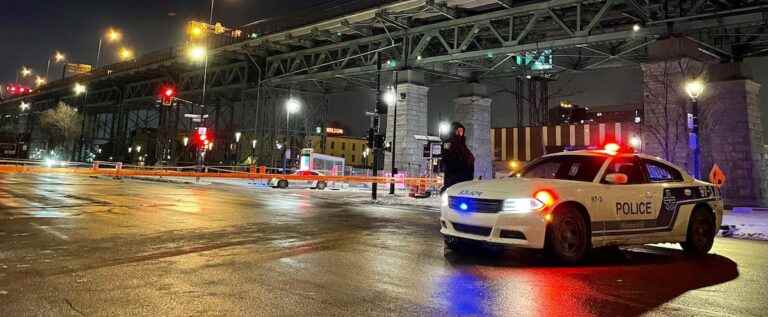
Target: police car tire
701, 233
321, 185
282, 184
568, 236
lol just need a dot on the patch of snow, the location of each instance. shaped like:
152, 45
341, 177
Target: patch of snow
745, 225
401, 199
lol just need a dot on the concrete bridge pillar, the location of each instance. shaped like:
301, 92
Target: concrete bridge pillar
473, 110
729, 116
412, 110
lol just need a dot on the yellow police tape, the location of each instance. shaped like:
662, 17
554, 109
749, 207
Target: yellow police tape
253, 175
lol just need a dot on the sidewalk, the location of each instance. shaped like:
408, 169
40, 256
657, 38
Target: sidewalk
746, 224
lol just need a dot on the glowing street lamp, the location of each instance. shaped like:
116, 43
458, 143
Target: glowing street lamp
238, 135
695, 89
195, 30
79, 89
114, 35
57, 57
39, 81
635, 142
125, 54
390, 97
444, 128
185, 141
197, 53
292, 106
111, 36
25, 72
24, 106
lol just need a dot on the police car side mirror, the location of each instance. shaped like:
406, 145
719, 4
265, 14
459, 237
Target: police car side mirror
616, 178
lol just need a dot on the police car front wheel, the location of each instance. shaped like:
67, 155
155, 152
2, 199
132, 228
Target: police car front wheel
569, 239
701, 232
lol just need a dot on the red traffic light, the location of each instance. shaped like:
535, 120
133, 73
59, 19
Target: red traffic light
202, 134
167, 94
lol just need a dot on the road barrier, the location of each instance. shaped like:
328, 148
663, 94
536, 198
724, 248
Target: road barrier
117, 169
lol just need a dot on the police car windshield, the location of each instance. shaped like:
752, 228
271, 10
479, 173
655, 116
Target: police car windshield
569, 167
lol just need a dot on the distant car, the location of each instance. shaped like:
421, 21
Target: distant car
571, 202
277, 182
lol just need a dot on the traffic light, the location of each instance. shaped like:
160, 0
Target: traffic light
371, 138
202, 134
167, 95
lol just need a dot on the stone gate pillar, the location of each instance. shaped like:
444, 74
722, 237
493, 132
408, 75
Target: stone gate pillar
733, 134
473, 110
729, 117
412, 110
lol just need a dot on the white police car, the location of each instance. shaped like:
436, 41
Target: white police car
571, 202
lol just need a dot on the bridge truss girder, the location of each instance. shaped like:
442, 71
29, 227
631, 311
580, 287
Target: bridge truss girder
581, 35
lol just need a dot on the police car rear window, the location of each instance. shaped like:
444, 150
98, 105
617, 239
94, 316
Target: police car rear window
569, 167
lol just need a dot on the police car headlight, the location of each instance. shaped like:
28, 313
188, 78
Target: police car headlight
444, 199
522, 205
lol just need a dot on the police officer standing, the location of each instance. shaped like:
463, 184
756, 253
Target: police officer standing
457, 161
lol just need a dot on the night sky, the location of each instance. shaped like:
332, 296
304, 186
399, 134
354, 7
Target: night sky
31, 30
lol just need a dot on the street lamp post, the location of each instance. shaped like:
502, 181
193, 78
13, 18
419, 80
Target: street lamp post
694, 89
184, 141
57, 57
238, 135
80, 90
390, 97
291, 106
111, 36
253, 151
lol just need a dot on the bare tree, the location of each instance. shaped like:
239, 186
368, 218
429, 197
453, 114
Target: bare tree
540, 102
62, 125
666, 107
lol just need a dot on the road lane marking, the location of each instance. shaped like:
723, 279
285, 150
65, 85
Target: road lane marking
52, 232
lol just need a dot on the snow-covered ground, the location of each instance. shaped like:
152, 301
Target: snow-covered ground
752, 225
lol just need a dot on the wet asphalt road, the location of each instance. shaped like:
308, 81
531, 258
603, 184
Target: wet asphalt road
99, 247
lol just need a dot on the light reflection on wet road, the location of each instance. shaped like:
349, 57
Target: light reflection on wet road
99, 247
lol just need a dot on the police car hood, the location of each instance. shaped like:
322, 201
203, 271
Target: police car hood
504, 188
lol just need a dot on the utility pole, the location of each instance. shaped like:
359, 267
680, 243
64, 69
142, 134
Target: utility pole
394, 132
374, 133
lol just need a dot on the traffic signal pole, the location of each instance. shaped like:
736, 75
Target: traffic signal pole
374, 131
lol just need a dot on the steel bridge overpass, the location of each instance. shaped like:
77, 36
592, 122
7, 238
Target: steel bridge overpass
429, 42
